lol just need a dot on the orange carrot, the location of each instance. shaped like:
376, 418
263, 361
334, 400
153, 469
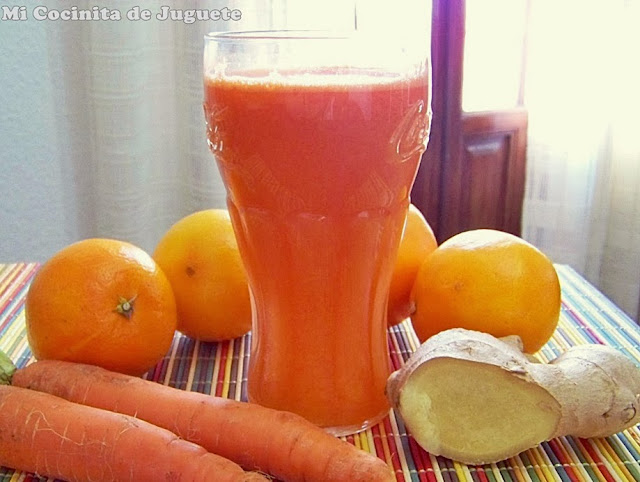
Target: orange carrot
279, 443
51, 436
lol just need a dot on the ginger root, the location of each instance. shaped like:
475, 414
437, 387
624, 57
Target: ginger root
478, 399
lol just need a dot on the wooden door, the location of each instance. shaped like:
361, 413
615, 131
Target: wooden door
473, 172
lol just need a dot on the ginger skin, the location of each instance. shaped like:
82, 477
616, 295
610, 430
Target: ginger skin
478, 399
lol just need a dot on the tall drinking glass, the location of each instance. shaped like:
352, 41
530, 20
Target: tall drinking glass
318, 138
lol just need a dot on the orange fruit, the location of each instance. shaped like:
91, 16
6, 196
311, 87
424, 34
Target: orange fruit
489, 281
417, 242
102, 302
200, 256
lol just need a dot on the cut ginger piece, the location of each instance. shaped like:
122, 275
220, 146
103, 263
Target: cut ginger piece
478, 399
460, 407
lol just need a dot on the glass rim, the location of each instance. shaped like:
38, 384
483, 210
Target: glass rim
282, 34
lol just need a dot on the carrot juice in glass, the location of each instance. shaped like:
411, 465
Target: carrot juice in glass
318, 140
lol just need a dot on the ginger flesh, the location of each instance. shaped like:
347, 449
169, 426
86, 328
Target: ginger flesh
477, 399
464, 407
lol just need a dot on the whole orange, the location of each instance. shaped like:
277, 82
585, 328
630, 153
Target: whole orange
490, 281
417, 242
200, 256
103, 302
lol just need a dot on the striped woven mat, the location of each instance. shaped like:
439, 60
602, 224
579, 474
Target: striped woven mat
220, 368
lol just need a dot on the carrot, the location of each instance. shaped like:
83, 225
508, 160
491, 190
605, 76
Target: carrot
258, 438
53, 437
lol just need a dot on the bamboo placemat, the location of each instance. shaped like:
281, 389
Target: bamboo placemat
220, 368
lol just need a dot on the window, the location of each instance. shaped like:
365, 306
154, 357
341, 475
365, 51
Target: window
493, 54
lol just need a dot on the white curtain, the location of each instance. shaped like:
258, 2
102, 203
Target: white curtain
582, 201
129, 118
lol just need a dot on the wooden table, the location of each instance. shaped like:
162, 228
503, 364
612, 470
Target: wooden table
220, 368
